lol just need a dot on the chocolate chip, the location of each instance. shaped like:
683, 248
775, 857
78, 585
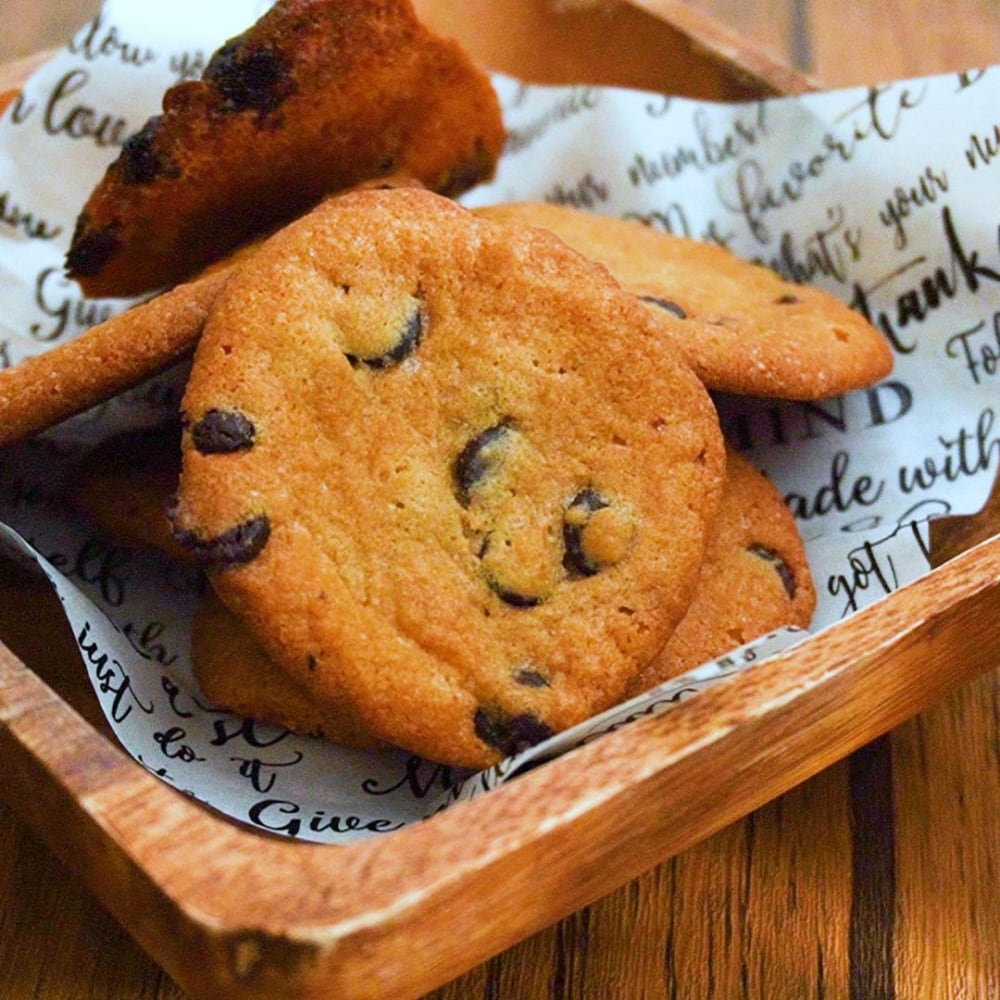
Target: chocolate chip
507, 594
510, 734
575, 520
531, 678
477, 460
240, 544
407, 341
139, 162
670, 307
782, 568
220, 432
90, 249
786, 300
249, 78
512, 597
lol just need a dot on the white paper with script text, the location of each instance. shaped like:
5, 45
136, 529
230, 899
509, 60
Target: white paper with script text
886, 196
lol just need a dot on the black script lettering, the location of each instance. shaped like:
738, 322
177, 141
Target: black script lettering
966, 454
983, 149
579, 100
160, 772
282, 816
97, 41
969, 77
871, 570
707, 152
188, 65
414, 778
66, 310
5, 360
671, 219
173, 693
881, 112
172, 746
262, 773
929, 293
901, 204
978, 347
660, 108
146, 643
320, 823
586, 193
827, 252
755, 196
878, 116
32, 226
245, 730
100, 563
967, 263
80, 121
838, 493
111, 677
20, 109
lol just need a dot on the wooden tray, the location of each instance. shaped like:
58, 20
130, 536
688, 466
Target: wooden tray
229, 912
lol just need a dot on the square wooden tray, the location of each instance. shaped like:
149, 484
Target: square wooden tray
230, 912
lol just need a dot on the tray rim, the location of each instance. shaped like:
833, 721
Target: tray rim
353, 918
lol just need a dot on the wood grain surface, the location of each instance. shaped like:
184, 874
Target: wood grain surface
875, 879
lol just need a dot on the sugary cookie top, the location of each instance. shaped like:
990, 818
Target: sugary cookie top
448, 467
755, 578
744, 328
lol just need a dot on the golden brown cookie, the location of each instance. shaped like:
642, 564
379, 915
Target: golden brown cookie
233, 672
314, 98
105, 360
755, 578
746, 329
448, 468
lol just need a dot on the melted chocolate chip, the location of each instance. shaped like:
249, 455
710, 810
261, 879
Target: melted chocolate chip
782, 568
409, 338
670, 307
510, 734
512, 597
477, 460
575, 519
786, 300
240, 544
249, 78
220, 432
139, 162
531, 678
90, 249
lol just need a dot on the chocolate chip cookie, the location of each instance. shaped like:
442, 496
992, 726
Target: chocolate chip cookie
314, 98
745, 329
448, 468
755, 578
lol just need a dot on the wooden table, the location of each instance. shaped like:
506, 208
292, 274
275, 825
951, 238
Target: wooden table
878, 878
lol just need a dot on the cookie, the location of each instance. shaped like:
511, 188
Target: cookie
107, 359
746, 329
314, 98
755, 578
126, 483
448, 468
234, 673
